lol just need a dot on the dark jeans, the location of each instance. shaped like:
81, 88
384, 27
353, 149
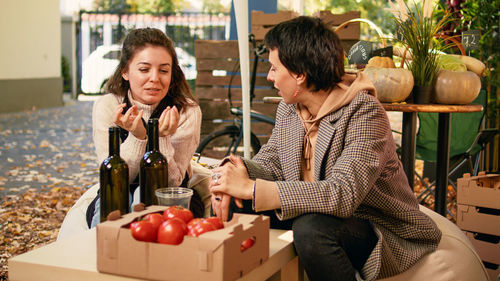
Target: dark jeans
332, 248
329, 248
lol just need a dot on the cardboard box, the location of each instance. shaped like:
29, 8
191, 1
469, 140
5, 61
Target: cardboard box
481, 191
489, 251
472, 218
493, 271
214, 255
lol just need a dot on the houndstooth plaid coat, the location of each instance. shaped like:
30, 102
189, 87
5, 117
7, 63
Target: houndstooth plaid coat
357, 173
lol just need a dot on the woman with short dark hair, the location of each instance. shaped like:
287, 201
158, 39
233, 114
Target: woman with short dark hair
330, 167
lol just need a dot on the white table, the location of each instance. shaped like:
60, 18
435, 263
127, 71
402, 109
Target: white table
75, 259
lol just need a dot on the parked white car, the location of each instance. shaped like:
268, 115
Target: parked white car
102, 62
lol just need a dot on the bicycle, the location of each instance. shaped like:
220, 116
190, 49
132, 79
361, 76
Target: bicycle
221, 143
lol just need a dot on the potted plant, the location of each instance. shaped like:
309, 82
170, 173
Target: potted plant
418, 29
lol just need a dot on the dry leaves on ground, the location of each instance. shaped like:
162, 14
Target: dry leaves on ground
426, 198
32, 219
47, 160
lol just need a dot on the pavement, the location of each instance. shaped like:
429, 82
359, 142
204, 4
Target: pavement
47, 148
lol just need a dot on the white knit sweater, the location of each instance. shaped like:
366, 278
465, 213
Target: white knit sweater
178, 148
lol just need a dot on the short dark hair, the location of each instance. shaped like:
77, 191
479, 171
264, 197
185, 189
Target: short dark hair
138, 39
307, 46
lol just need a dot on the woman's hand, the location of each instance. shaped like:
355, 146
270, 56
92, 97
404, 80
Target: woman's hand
220, 205
168, 122
233, 179
130, 121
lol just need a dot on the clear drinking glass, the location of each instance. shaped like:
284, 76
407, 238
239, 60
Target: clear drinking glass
174, 196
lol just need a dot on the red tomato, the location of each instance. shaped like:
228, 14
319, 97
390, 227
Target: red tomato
245, 245
155, 218
201, 228
143, 231
192, 223
172, 231
217, 222
178, 212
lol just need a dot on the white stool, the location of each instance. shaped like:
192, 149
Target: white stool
454, 259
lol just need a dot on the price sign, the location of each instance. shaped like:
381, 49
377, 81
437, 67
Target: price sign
360, 53
470, 39
384, 52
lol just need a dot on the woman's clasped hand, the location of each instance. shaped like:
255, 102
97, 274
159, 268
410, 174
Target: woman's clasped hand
230, 178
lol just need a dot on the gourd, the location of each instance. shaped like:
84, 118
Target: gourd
455, 87
392, 84
472, 64
385, 62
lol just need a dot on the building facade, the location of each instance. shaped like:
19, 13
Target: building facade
30, 55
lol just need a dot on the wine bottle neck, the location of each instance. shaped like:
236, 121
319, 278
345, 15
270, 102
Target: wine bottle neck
153, 135
114, 141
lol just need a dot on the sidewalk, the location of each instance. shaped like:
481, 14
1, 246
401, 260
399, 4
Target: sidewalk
47, 161
47, 148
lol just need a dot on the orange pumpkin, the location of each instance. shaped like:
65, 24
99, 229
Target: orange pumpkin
384, 62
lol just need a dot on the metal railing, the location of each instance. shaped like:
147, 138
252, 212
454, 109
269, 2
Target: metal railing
96, 28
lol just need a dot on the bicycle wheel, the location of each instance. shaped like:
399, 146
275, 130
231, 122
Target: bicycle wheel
220, 144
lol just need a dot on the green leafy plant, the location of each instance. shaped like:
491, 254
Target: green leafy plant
418, 29
483, 15
65, 72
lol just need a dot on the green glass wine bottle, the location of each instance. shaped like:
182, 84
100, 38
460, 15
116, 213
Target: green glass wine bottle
153, 171
113, 178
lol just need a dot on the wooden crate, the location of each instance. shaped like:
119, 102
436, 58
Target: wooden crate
262, 22
217, 63
350, 34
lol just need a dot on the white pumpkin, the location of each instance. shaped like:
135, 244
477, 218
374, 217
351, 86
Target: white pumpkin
455, 87
392, 84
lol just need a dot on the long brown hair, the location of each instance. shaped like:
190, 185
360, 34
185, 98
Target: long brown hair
138, 39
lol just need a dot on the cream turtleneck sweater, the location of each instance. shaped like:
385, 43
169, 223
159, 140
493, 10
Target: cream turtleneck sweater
178, 148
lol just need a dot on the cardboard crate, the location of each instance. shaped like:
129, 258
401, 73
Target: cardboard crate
481, 191
493, 271
472, 218
488, 251
214, 255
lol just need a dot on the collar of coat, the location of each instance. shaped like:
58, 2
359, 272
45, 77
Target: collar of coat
342, 94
